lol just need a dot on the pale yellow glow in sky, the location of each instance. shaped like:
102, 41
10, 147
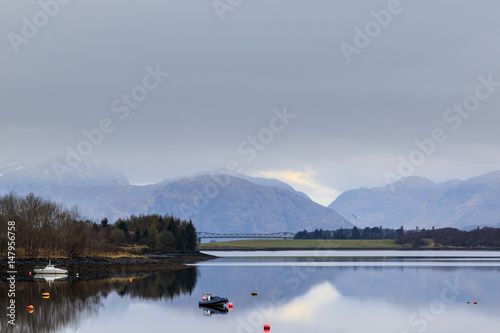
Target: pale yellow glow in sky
304, 181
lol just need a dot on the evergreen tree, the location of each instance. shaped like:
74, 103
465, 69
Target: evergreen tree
367, 233
181, 240
137, 235
172, 226
120, 224
339, 234
104, 222
192, 237
301, 235
355, 233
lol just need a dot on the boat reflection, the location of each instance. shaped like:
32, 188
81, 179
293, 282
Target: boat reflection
50, 277
210, 310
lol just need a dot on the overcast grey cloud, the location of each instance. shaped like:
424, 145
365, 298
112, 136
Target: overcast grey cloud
353, 119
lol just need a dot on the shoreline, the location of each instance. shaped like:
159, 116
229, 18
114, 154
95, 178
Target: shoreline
274, 249
99, 267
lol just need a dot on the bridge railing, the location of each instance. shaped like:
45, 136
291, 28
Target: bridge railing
283, 235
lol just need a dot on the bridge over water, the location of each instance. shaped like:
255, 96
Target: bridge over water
278, 235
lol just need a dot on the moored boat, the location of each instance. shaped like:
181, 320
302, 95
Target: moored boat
50, 269
210, 300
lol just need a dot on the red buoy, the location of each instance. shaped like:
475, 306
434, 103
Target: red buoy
475, 302
230, 306
267, 327
30, 273
203, 298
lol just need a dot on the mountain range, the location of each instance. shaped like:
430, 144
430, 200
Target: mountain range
418, 202
19, 177
215, 202
239, 203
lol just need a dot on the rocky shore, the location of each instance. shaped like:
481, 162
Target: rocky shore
105, 267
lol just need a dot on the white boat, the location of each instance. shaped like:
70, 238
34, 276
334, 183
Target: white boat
50, 269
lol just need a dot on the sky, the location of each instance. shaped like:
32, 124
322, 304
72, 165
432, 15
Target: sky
325, 95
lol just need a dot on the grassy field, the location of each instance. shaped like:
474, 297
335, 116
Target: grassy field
301, 243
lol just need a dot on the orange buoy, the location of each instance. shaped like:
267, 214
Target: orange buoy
45, 294
203, 298
267, 327
30, 311
130, 280
30, 307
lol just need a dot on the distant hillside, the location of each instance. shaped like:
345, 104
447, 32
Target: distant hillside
238, 206
214, 202
415, 201
19, 177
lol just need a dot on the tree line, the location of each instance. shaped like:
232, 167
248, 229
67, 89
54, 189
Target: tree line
159, 233
43, 227
442, 237
451, 237
354, 233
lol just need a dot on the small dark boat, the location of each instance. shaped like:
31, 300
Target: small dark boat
210, 300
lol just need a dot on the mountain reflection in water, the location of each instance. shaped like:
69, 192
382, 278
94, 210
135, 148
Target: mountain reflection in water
377, 293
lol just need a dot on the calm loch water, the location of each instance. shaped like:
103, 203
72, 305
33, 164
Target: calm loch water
322, 291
